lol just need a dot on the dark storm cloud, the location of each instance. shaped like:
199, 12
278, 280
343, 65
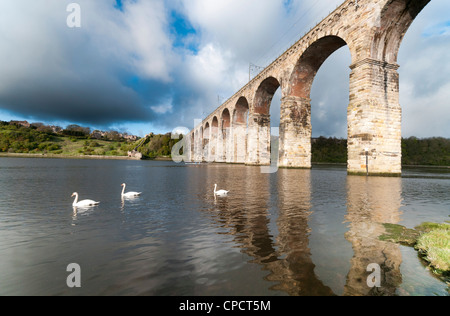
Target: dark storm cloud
96, 102
52, 72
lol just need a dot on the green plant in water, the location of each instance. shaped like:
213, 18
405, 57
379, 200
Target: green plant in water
400, 234
431, 240
435, 247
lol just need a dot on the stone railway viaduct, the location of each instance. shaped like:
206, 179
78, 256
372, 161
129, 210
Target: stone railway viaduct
239, 130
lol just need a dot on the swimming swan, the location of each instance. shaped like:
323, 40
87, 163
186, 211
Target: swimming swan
220, 192
128, 194
83, 203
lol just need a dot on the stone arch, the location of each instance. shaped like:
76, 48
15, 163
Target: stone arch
309, 63
206, 132
295, 123
200, 145
259, 140
239, 128
225, 119
395, 19
197, 142
241, 111
214, 138
192, 144
264, 95
225, 132
206, 140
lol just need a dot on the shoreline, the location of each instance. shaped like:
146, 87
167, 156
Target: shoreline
94, 157
403, 166
99, 157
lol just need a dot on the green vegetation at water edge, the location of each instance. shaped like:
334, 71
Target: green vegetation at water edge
431, 240
31, 140
435, 248
433, 151
329, 150
156, 145
75, 141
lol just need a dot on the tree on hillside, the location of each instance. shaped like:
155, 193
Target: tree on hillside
76, 130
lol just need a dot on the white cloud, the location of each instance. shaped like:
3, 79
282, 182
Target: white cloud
426, 115
425, 74
163, 108
243, 27
149, 41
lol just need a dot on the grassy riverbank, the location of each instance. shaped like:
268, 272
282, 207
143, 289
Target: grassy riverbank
60, 156
78, 142
431, 240
69, 147
16, 139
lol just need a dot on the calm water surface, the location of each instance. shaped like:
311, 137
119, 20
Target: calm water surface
295, 232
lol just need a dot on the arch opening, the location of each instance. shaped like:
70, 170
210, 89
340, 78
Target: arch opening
241, 111
214, 137
225, 133
192, 152
309, 63
206, 141
295, 121
200, 145
329, 103
264, 95
259, 139
240, 130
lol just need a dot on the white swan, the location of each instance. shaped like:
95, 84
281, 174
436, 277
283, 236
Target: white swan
128, 194
84, 203
220, 192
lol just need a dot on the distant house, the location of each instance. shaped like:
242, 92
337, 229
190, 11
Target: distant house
20, 123
98, 134
130, 138
134, 154
56, 129
112, 135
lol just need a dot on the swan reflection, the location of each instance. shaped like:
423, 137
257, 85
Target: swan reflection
77, 210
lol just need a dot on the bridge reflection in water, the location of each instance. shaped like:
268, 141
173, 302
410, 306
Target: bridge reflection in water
372, 201
278, 221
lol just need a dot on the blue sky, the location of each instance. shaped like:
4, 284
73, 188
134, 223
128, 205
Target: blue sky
150, 66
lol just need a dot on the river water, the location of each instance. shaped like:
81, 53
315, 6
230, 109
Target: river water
293, 232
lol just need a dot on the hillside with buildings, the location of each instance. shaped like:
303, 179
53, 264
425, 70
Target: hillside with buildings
22, 137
